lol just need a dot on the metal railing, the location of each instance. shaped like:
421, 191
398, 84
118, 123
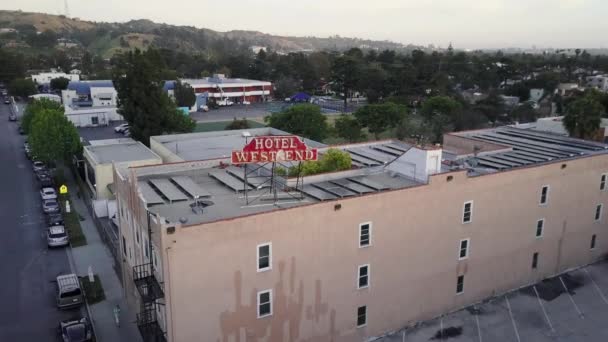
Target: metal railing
147, 324
147, 285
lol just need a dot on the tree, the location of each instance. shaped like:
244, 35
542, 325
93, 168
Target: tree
380, 117
348, 128
331, 161
524, 113
345, 75
60, 83
53, 137
437, 105
35, 107
23, 87
583, 117
285, 87
520, 90
143, 103
302, 119
184, 95
238, 124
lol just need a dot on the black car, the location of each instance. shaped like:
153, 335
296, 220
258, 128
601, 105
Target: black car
54, 219
21, 130
76, 330
45, 179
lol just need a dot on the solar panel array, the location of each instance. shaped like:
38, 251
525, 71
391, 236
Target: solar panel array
341, 188
168, 190
190, 187
229, 180
530, 147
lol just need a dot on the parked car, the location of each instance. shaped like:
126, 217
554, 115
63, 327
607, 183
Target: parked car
224, 103
38, 166
127, 132
203, 108
7, 101
76, 330
55, 219
12, 117
56, 236
21, 130
121, 128
69, 293
45, 179
50, 206
246, 102
48, 193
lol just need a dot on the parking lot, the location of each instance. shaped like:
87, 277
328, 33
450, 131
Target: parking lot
544, 312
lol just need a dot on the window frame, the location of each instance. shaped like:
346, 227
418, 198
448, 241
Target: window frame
542, 228
460, 284
593, 243
367, 276
466, 249
598, 215
464, 207
546, 201
259, 304
369, 234
364, 315
535, 257
603, 180
257, 259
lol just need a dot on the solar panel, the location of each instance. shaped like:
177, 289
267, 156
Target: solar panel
149, 195
228, 180
168, 189
397, 147
252, 179
191, 188
526, 147
334, 189
554, 142
491, 164
317, 193
536, 144
387, 150
556, 139
531, 156
364, 161
513, 159
363, 180
498, 161
366, 153
352, 186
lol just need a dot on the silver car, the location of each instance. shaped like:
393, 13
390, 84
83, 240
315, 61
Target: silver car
48, 193
56, 236
50, 206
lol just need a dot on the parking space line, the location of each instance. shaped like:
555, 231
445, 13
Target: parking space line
543, 308
478, 327
596, 286
512, 319
571, 299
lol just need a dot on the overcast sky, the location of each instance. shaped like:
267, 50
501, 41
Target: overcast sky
465, 23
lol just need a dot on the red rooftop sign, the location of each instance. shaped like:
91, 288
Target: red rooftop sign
274, 148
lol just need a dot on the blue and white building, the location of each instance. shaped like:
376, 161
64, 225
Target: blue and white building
91, 103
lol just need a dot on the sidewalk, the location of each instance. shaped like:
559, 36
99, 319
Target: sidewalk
96, 255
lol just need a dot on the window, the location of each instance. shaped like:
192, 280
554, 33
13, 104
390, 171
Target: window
264, 303
598, 212
593, 237
365, 234
460, 284
603, 182
540, 225
94, 120
136, 234
146, 247
264, 257
464, 249
124, 246
361, 316
363, 280
467, 212
544, 195
535, 260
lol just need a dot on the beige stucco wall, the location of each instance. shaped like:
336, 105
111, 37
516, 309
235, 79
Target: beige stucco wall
167, 155
212, 283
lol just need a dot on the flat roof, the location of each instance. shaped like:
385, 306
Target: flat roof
526, 147
222, 195
215, 145
120, 152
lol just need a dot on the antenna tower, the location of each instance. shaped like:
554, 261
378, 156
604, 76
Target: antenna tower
66, 8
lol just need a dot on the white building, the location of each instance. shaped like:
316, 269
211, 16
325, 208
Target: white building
46, 77
91, 103
599, 82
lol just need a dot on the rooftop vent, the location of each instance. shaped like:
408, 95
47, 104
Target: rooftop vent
183, 220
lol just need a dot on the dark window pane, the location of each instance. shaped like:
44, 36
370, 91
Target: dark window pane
361, 315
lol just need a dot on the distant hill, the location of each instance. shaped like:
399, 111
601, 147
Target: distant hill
106, 39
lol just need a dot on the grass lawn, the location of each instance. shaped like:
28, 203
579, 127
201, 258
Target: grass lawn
221, 125
72, 224
93, 291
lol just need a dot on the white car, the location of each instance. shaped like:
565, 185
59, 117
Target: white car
225, 102
246, 102
38, 166
121, 128
48, 194
56, 236
127, 132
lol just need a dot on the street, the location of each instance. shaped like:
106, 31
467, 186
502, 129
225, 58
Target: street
27, 311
